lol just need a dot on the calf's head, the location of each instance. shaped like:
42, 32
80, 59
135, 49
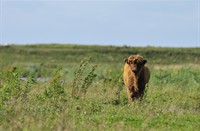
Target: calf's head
136, 62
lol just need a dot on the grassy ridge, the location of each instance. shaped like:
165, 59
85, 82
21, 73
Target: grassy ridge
171, 101
75, 53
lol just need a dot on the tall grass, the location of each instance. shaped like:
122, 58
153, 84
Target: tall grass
82, 96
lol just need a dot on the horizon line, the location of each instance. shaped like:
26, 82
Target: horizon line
84, 44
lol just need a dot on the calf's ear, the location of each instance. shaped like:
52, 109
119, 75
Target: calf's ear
126, 60
144, 61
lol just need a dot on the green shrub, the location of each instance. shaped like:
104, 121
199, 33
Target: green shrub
82, 79
11, 86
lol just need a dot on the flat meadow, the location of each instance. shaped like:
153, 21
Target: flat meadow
79, 87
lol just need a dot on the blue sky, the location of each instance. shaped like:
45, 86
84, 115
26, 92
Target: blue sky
168, 23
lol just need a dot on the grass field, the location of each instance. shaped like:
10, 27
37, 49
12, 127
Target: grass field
84, 88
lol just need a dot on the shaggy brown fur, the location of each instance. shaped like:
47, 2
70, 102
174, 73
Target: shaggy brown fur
136, 75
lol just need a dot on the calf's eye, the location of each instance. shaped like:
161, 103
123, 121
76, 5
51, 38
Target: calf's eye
135, 61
